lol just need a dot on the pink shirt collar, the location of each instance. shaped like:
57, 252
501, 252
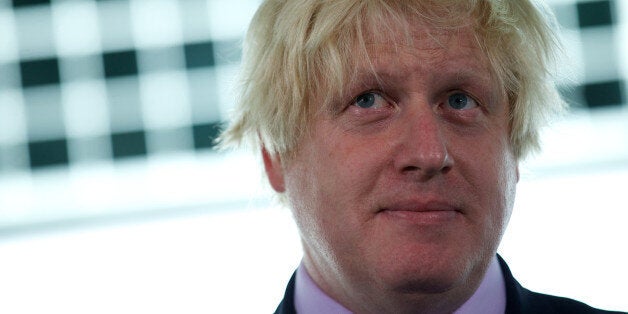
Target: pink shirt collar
489, 298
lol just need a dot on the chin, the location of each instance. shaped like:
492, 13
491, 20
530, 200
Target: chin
430, 272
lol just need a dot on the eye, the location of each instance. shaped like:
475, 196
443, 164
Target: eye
370, 100
461, 101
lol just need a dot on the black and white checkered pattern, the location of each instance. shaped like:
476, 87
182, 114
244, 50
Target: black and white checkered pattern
591, 30
90, 80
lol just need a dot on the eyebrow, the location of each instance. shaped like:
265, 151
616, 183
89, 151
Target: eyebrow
379, 75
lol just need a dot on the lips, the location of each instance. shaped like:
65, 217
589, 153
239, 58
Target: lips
421, 206
422, 212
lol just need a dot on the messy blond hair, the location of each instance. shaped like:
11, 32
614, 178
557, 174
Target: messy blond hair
297, 49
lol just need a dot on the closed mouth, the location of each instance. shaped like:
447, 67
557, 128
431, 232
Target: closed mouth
432, 212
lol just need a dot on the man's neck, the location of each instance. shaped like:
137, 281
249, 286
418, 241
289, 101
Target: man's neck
489, 297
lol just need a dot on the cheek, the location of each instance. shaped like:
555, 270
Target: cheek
330, 188
507, 180
488, 169
339, 169
507, 169
498, 178
315, 185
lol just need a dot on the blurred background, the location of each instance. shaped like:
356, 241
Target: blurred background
113, 198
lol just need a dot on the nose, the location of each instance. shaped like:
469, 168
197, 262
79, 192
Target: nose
422, 152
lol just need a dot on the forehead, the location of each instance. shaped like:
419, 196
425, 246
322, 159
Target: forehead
424, 45
406, 48
414, 31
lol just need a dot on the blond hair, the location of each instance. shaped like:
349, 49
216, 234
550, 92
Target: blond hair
295, 49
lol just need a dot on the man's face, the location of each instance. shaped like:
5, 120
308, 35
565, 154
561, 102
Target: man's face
406, 186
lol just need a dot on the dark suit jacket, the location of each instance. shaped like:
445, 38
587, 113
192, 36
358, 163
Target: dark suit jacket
518, 299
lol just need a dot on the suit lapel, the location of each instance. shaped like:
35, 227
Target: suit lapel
287, 304
514, 290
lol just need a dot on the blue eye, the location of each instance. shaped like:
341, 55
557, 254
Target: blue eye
366, 100
460, 101
370, 100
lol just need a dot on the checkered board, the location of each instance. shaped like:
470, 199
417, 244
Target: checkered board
87, 81
593, 37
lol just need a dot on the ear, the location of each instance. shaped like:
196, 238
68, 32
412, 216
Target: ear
274, 170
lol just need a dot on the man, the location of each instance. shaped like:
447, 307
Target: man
393, 130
